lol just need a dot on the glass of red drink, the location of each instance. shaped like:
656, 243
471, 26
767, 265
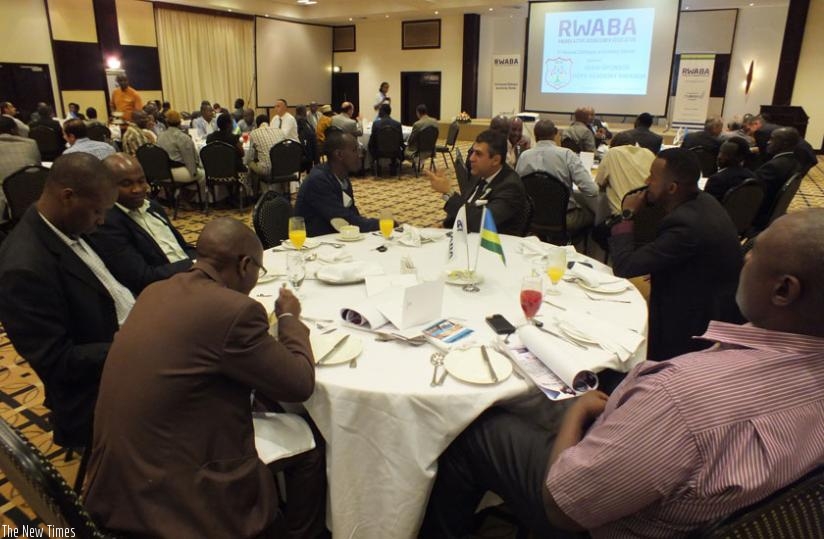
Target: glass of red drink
531, 295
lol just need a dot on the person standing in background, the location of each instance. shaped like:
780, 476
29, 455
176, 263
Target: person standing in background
125, 99
382, 97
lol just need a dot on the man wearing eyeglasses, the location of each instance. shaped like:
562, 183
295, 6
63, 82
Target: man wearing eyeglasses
173, 452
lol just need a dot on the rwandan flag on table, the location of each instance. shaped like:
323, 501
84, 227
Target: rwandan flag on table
489, 235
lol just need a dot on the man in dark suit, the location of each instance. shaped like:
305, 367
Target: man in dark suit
642, 134
325, 199
693, 262
496, 186
761, 131
58, 302
137, 241
386, 121
782, 165
731, 171
707, 138
174, 450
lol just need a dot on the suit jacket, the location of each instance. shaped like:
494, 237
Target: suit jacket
647, 139
60, 318
506, 199
582, 135
774, 173
417, 127
347, 125
174, 452
725, 179
693, 262
132, 255
320, 199
703, 139
378, 124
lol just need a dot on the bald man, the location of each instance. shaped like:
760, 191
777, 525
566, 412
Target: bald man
680, 443
58, 302
137, 240
174, 452
579, 131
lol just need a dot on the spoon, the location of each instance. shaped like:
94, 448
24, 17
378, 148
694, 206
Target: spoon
437, 360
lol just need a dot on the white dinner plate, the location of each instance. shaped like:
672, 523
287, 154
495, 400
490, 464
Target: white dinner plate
463, 277
469, 366
310, 243
321, 344
326, 275
574, 333
605, 288
341, 237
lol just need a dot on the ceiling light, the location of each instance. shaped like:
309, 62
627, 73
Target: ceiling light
350, 19
230, 10
436, 13
492, 9
387, 16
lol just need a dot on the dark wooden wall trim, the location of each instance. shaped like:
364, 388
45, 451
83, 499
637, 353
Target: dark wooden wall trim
790, 52
471, 56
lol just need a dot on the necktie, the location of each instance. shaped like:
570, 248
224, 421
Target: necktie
479, 189
280, 123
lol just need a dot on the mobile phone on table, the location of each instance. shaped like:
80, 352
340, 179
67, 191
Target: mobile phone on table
500, 325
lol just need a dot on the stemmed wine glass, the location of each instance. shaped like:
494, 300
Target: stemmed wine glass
531, 295
556, 263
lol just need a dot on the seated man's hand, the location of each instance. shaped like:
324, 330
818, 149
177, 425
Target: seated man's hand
438, 181
589, 406
635, 201
287, 303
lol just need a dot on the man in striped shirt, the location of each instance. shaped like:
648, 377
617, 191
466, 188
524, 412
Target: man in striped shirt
680, 443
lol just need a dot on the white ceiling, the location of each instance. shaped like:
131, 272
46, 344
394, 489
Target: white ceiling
344, 11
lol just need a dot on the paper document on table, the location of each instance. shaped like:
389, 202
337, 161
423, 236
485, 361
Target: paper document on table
412, 305
529, 365
567, 362
363, 314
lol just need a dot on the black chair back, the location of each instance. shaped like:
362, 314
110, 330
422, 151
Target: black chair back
550, 197
219, 167
742, 203
646, 220
707, 160
388, 142
41, 485
156, 164
48, 142
99, 132
22, 189
285, 157
570, 144
427, 139
271, 219
794, 511
452, 134
462, 173
785, 196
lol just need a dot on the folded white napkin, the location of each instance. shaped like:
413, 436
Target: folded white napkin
619, 340
348, 271
331, 257
532, 246
591, 277
278, 436
410, 236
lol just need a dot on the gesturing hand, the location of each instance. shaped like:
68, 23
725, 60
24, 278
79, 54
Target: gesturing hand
438, 181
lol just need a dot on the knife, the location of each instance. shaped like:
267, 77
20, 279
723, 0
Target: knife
338, 346
563, 338
489, 364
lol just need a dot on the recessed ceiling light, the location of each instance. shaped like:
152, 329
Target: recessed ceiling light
387, 16
230, 11
350, 19
492, 9
436, 13
752, 4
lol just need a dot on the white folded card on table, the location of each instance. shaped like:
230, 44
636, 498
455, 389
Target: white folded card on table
412, 305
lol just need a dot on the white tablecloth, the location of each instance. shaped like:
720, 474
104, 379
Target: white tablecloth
384, 425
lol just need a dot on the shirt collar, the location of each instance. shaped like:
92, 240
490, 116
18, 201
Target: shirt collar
782, 153
142, 209
489, 179
545, 143
68, 240
749, 336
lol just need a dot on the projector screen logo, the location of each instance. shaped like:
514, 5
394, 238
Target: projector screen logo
557, 72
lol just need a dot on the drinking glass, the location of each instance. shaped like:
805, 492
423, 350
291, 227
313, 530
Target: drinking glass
295, 270
556, 263
531, 295
297, 232
387, 223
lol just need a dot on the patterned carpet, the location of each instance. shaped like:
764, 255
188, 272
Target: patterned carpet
411, 200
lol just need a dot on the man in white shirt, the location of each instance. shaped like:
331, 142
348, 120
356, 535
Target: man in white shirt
58, 302
137, 241
8, 109
562, 163
284, 120
261, 141
75, 133
205, 125
624, 167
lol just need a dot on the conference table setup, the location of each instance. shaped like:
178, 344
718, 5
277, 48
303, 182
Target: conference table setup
387, 400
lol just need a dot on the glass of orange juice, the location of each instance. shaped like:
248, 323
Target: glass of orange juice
556, 263
297, 232
387, 224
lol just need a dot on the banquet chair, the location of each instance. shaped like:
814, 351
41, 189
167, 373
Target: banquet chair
49, 142
462, 173
794, 511
218, 160
426, 141
550, 197
388, 144
99, 132
570, 144
22, 189
41, 485
451, 140
158, 170
707, 160
742, 203
285, 157
271, 219
785, 196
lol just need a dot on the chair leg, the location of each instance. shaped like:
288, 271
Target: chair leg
175, 202
81, 469
445, 163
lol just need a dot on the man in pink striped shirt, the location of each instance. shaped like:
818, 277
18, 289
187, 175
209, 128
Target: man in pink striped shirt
680, 443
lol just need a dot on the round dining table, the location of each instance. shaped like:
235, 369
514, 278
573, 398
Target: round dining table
383, 423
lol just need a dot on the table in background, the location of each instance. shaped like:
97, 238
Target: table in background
384, 425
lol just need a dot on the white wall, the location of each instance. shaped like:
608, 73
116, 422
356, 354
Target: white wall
808, 79
379, 58
25, 30
499, 35
758, 37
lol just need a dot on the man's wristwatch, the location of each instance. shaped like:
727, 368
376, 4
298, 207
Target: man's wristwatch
627, 215
447, 196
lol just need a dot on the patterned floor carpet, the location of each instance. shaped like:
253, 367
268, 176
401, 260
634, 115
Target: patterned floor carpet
411, 200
